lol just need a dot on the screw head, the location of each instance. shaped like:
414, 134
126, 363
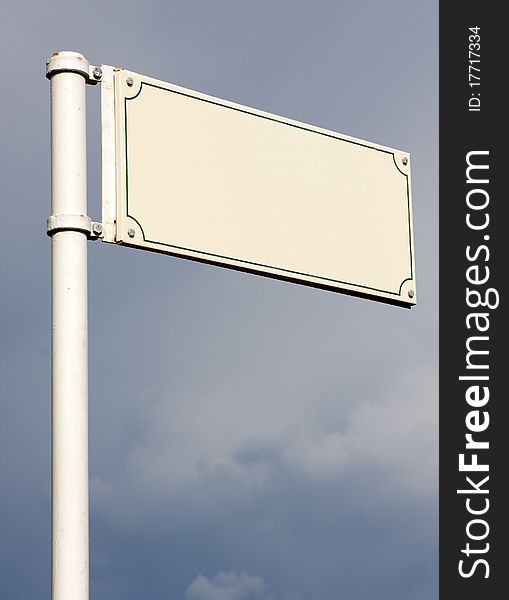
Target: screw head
404, 160
131, 233
129, 81
97, 228
97, 72
411, 293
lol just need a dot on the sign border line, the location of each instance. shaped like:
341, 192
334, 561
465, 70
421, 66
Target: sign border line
247, 262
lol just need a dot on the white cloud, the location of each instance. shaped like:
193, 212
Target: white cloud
227, 586
233, 586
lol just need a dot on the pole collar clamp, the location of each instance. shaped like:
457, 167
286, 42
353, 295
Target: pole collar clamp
80, 223
72, 62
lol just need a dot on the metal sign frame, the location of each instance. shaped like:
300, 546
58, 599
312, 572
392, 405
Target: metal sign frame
123, 225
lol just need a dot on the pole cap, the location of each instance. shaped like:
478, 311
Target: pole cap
67, 61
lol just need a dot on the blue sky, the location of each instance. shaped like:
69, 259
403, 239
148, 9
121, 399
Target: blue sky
249, 439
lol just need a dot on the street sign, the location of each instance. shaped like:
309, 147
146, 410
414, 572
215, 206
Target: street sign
206, 179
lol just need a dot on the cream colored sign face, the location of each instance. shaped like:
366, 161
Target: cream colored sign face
209, 180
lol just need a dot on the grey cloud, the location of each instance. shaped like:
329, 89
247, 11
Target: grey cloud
187, 443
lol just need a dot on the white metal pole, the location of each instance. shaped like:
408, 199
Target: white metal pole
68, 227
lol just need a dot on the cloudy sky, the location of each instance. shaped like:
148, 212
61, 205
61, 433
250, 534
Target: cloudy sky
249, 439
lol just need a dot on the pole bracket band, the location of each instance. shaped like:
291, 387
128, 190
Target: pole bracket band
80, 223
73, 62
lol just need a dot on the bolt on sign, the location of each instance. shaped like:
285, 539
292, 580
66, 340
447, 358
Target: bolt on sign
201, 178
